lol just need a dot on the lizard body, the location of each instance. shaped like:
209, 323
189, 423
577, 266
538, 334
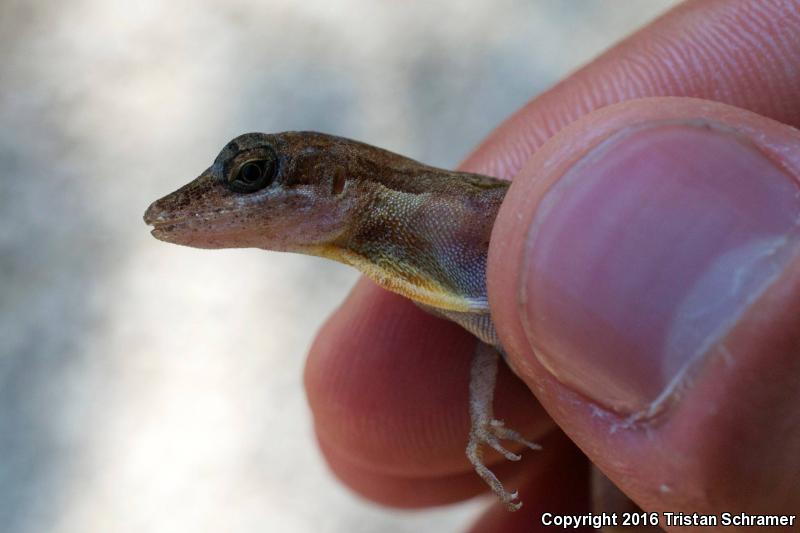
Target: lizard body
416, 230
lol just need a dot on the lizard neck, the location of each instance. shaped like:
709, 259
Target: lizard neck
430, 247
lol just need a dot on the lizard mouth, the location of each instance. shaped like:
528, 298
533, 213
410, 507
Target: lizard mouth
166, 224
160, 219
168, 230
167, 227
178, 228
206, 229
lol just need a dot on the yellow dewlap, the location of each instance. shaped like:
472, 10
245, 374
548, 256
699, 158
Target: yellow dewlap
415, 287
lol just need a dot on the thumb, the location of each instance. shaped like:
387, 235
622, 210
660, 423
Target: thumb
644, 277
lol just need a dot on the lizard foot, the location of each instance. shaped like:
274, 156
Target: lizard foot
486, 430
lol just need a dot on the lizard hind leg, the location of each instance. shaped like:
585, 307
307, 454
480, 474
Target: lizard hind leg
485, 429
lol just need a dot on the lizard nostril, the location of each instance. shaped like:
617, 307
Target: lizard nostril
154, 214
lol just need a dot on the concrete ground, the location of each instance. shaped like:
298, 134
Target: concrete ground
148, 387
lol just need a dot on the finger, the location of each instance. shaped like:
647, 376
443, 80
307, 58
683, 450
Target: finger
743, 52
412, 490
388, 387
646, 284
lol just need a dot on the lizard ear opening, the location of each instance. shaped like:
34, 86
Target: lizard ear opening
338, 181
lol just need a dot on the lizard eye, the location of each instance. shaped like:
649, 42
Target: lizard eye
253, 175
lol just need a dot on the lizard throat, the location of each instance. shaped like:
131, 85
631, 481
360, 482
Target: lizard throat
405, 281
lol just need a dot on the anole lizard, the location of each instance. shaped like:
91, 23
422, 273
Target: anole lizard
416, 230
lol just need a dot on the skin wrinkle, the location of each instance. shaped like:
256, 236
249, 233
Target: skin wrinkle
661, 74
730, 68
766, 36
636, 74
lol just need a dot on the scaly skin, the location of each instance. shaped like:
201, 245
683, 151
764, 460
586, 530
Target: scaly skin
419, 231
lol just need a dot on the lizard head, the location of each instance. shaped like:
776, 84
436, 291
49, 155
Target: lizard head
317, 194
286, 191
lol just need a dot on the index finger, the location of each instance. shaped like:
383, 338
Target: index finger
744, 53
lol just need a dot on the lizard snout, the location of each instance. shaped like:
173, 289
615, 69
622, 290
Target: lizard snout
155, 214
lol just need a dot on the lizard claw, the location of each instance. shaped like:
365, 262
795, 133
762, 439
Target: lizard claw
489, 434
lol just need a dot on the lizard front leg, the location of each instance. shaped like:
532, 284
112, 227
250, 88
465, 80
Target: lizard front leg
485, 428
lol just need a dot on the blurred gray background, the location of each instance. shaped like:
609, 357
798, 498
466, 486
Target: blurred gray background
148, 387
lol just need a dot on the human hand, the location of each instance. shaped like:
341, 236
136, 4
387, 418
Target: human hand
644, 276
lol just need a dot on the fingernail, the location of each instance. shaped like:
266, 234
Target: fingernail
646, 252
